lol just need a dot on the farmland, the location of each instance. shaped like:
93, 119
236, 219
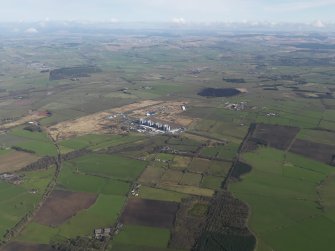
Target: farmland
152, 213
12, 160
16, 200
275, 181
172, 141
109, 166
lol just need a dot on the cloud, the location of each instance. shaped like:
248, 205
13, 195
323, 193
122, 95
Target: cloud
178, 20
42, 24
318, 24
31, 30
114, 20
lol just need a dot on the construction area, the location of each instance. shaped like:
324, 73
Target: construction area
164, 117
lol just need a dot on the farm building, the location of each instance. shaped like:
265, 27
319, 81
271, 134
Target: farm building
102, 232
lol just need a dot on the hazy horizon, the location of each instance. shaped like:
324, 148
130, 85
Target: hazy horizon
318, 13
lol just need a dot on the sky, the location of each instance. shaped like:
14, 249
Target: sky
178, 11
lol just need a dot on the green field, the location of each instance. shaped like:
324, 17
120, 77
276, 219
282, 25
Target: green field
143, 236
160, 194
151, 175
317, 136
98, 141
71, 180
172, 176
38, 142
276, 181
4, 151
198, 210
17, 200
191, 179
37, 179
102, 214
219, 168
212, 182
199, 165
180, 162
113, 166
227, 152
164, 157
314, 234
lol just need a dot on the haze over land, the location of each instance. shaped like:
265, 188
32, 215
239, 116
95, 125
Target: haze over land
178, 11
40, 16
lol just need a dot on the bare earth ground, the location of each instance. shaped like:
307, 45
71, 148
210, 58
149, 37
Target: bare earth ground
321, 152
150, 213
275, 136
31, 117
168, 112
62, 205
92, 123
15, 160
